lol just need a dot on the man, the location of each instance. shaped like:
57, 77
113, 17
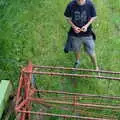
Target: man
80, 14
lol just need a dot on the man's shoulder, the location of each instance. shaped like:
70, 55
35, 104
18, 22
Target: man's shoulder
72, 3
89, 2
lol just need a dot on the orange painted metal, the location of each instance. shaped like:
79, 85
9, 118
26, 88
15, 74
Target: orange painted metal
26, 93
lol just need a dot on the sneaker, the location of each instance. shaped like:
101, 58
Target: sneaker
76, 65
97, 68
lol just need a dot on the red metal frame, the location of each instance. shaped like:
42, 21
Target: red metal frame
25, 93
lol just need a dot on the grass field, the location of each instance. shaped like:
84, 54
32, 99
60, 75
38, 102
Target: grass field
36, 30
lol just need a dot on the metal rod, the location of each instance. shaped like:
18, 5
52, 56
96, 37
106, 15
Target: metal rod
77, 94
78, 69
75, 75
63, 116
74, 104
23, 103
26, 75
19, 87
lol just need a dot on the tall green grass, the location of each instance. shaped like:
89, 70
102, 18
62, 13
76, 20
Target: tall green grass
37, 31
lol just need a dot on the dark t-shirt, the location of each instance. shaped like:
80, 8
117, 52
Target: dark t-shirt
80, 15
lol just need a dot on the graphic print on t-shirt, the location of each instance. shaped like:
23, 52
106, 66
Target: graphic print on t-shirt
80, 17
77, 15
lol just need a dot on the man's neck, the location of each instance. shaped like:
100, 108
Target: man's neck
81, 2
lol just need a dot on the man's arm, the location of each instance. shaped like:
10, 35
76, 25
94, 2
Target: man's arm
91, 21
70, 22
84, 28
68, 16
75, 28
92, 15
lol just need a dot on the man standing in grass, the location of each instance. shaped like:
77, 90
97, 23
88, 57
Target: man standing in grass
80, 14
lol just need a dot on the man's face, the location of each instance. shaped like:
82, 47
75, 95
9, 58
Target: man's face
81, 1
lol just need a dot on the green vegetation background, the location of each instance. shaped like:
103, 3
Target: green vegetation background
36, 30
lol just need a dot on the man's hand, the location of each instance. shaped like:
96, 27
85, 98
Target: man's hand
76, 29
84, 28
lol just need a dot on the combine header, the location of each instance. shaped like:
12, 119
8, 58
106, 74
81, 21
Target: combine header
40, 104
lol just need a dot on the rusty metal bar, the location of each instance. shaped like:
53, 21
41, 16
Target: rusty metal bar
19, 87
28, 69
78, 69
75, 75
74, 104
62, 116
77, 110
77, 94
26, 75
22, 117
23, 103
